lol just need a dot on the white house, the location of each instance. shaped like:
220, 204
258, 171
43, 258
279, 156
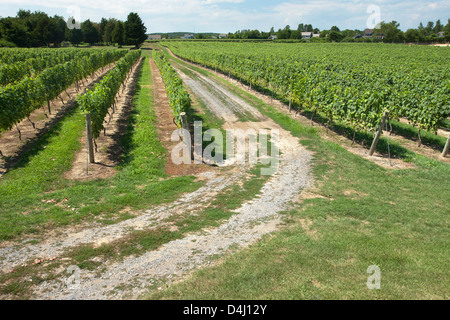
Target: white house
223, 35
154, 37
188, 36
307, 35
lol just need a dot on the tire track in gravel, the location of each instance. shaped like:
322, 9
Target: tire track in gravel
17, 254
173, 260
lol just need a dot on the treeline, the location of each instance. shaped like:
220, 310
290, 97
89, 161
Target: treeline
433, 32
36, 29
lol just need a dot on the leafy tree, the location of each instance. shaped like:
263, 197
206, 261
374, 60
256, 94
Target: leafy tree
391, 31
334, 28
447, 31
438, 27
46, 31
90, 33
296, 34
118, 33
285, 33
135, 30
412, 35
103, 23
335, 36
109, 28
75, 36
14, 32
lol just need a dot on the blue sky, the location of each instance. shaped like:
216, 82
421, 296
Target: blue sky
230, 15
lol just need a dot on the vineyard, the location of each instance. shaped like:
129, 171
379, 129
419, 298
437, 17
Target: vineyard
137, 225
348, 83
179, 98
19, 98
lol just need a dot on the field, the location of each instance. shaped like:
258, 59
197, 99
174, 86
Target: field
136, 225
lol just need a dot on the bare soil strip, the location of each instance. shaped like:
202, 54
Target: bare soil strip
12, 148
166, 126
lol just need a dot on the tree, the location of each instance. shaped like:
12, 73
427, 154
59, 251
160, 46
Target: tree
285, 33
103, 24
109, 27
13, 32
90, 33
429, 28
75, 36
135, 30
447, 31
334, 28
31, 20
412, 35
60, 34
308, 28
335, 36
438, 27
391, 31
118, 33
46, 31
296, 34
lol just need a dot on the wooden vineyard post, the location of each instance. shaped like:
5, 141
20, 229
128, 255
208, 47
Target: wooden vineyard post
290, 102
378, 135
186, 139
446, 148
184, 122
90, 144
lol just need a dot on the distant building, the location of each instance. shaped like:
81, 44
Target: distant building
368, 33
223, 35
307, 35
441, 34
154, 37
273, 37
188, 36
316, 35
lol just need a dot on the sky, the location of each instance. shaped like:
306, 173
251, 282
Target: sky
223, 16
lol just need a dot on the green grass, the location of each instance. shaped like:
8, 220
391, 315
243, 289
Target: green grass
17, 284
140, 181
174, 227
364, 215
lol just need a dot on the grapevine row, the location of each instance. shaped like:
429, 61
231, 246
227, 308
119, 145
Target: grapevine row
10, 73
97, 101
179, 99
19, 100
353, 84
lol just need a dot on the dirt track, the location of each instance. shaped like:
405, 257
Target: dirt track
174, 260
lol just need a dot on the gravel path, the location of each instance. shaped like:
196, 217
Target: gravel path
134, 275
16, 255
